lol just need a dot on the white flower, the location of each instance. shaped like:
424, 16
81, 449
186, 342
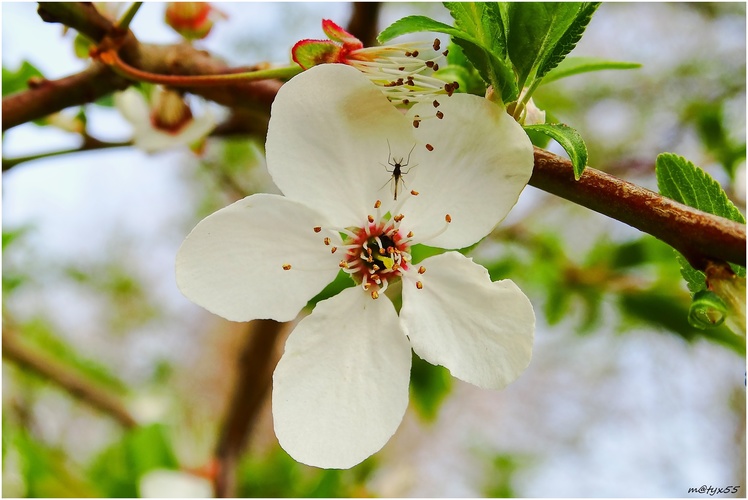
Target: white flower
163, 123
341, 387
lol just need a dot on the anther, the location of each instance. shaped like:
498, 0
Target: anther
398, 217
414, 53
286, 267
439, 115
419, 285
333, 249
414, 192
416, 122
429, 64
448, 218
317, 229
410, 234
374, 294
406, 101
429, 147
408, 53
370, 218
435, 103
436, 67
421, 270
327, 241
378, 204
343, 264
437, 44
401, 68
446, 52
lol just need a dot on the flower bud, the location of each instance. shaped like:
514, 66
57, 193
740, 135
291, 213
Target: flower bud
192, 20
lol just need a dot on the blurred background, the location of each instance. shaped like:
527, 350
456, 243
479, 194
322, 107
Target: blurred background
622, 398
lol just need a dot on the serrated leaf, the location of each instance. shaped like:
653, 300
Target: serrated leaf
568, 39
569, 139
481, 20
576, 65
534, 30
684, 182
18, 80
416, 24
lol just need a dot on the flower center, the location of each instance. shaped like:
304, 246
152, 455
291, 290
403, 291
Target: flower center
169, 112
376, 253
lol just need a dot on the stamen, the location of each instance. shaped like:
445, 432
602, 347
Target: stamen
370, 218
448, 218
333, 249
414, 193
429, 147
439, 115
378, 204
327, 240
374, 294
419, 285
437, 44
317, 229
286, 267
421, 270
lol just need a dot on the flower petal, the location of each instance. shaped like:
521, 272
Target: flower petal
327, 143
133, 107
232, 262
341, 388
481, 330
480, 162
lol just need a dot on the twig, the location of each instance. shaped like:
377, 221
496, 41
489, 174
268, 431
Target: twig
363, 22
254, 379
71, 381
699, 236
90, 144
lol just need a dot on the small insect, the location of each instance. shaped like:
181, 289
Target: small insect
397, 168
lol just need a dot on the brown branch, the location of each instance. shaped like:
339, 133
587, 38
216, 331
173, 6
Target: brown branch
699, 236
254, 379
363, 22
50, 96
15, 350
89, 144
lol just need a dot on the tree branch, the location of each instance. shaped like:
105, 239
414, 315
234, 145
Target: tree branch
61, 375
89, 144
255, 376
699, 236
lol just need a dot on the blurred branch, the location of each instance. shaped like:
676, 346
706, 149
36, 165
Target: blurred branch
699, 236
49, 96
363, 22
71, 381
89, 144
255, 376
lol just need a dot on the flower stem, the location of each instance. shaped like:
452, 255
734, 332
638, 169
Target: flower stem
111, 58
124, 23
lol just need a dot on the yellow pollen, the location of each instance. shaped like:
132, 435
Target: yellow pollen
327, 241
448, 218
414, 193
378, 204
317, 229
419, 285
374, 294
421, 270
286, 267
371, 219
333, 249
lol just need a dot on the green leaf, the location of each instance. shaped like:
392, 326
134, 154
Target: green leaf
534, 31
569, 139
568, 40
576, 65
18, 80
707, 310
429, 386
682, 181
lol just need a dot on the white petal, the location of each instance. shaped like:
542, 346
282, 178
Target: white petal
481, 330
327, 142
232, 262
481, 161
133, 107
341, 388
